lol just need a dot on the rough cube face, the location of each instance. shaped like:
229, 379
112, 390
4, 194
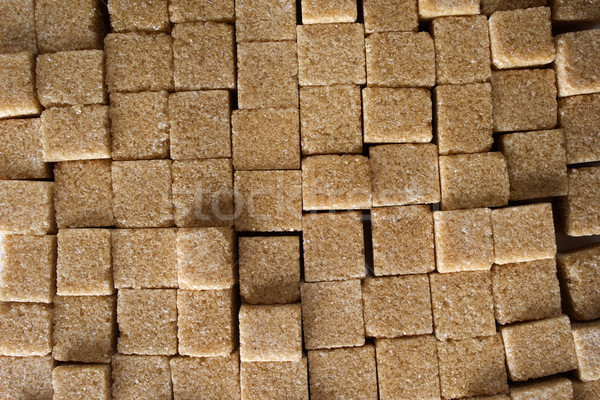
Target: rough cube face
259, 21
332, 182
144, 258
332, 314
330, 54
201, 10
578, 62
17, 86
269, 269
472, 367
27, 265
25, 329
395, 15
81, 382
579, 118
147, 321
539, 348
21, 143
557, 388
18, 35
397, 115
206, 322
327, 12
26, 207
265, 139
139, 377
585, 390
343, 373
579, 207
402, 240
84, 328
407, 368
488, 7
524, 100
216, 378
474, 180
264, 380
83, 194
429, 9
587, 348
570, 11
462, 49
26, 377
579, 276
526, 291
268, 201
144, 16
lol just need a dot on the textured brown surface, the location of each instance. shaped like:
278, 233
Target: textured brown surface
17, 86
575, 11
429, 9
211, 378
580, 216
586, 390
201, 10
587, 348
579, 274
579, 118
21, 143
577, 62
144, 16
274, 380
328, 12
26, 377
25, 329
26, 207
394, 15
18, 33
488, 7
555, 389
259, 20
81, 382
141, 377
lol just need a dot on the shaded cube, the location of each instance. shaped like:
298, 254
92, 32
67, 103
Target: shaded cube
327, 12
265, 139
579, 208
269, 269
22, 156
26, 377
141, 377
201, 10
579, 118
586, 390
575, 11
18, 35
332, 314
262, 380
579, 273
429, 9
556, 388
147, 321
395, 15
587, 348
145, 16
402, 240
215, 378
268, 201
488, 7
17, 86
258, 21
330, 54
81, 382
26, 207
25, 329
578, 62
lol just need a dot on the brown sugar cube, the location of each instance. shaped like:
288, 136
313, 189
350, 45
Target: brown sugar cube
138, 62
526, 291
537, 164
474, 180
17, 86
27, 268
267, 75
83, 195
539, 348
394, 15
265, 139
463, 240
26, 207
199, 124
332, 182
488, 7
26, 377
21, 143
259, 20
397, 115
579, 118
269, 269
587, 348
268, 201
462, 50
397, 306
203, 192
144, 258
25, 329
206, 322
269, 380
18, 33
147, 321
577, 62
331, 119
213, 378
585, 390
575, 11
556, 389
579, 274
145, 16
343, 373
201, 10
429, 9
141, 377
328, 12
402, 240
464, 118
407, 368
524, 100
270, 332
142, 193
332, 314
580, 206
81, 382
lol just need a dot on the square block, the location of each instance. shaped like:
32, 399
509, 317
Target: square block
26, 377
394, 15
141, 377
268, 380
18, 35
407, 368
85, 382
472, 367
25, 329
474, 180
138, 62
201, 10
27, 265
397, 306
22, 156
540, 348
575, 11
200, 124
17, 86
537, 164
343, 373
265, 139
147, 321
205, 258
578, 62
556, 389
402, 240
526, 291
579, 118
26, 207
145, 16
397, 115
429, 9
468, 62
268, 201
521, 38
523, 233
580, 206
585, 390
203, 55
203, 192
332, 314
261, 21
331, 119
524, 100
269, 269
330, 54
142, 193
579, 275
328, 12
488, 7
587, 348
83, 195
144, 258
464, 118
270, 333
214, 378
206, 322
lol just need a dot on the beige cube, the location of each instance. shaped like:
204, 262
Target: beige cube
26, 377
579, 208
429, 9
579, 118
587, 348
143, 16
575, 11
84, 382
394, 15
22, 156
259, 20
17, 86
26, 207
18, 35
201, 10
141, 377
264, 380
577, 62
555, 388
579, 276
215, 378
25, 329
328, 12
